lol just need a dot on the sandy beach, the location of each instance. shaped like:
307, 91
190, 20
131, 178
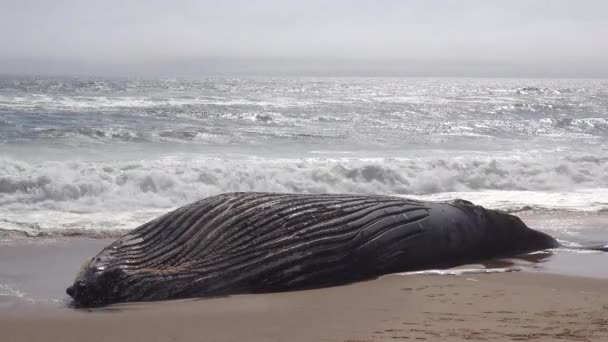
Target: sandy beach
497, 307
513, 306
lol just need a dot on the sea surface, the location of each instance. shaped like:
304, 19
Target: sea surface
97, 156
94, 157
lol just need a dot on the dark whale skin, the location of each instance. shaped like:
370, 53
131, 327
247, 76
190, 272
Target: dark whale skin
237, 243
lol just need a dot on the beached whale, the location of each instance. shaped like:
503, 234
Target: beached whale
263, 242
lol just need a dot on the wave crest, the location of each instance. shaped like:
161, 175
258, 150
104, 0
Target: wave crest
174, 181
88, 197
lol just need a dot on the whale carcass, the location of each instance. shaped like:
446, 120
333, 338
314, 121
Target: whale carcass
264, 242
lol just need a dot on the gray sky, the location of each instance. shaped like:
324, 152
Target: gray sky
464, 37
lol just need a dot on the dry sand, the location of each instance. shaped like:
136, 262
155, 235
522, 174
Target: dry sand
498, 307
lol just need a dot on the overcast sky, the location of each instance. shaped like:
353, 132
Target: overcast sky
464, 37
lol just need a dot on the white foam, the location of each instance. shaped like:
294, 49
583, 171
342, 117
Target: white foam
580, 251
574, 247
589, 200
117, 195
9, 291
100, 103
462, 271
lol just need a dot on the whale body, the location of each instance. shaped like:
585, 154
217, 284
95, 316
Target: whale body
252, 242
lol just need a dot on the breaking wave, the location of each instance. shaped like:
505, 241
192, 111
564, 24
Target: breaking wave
173, 181
87, 197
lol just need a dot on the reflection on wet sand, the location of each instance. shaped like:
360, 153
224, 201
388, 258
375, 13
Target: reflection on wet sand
526, 261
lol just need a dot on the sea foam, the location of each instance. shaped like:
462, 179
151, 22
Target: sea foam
117, 195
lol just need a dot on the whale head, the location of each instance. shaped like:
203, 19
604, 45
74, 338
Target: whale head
95, 285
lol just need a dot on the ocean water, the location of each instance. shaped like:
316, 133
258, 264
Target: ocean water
97, 156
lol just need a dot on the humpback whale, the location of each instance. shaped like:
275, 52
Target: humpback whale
237, 243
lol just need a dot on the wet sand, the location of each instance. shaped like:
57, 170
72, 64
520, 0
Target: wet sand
517, 306
499, 307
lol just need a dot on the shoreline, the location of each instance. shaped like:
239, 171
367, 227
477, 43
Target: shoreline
500, 307
39, 269
550, 296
